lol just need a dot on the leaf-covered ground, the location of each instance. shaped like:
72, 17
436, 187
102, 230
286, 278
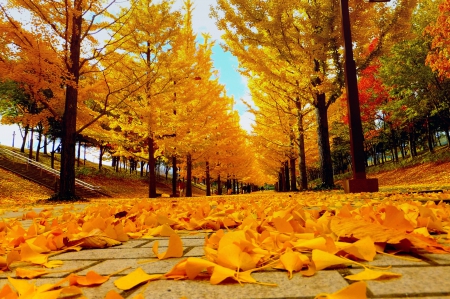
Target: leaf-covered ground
17, 192
299, 234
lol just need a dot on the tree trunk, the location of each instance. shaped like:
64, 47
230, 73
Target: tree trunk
219, 185
326, 165
447, 134
52, 157
293, 176
30, 153
301, 149
79, 154
151, 168
100, 158
429, 136
280, 180
38, 145
174, 175
394, 146
142, 168
45, 145
69, 121
24, 138
208, 180
188, 175
287, 182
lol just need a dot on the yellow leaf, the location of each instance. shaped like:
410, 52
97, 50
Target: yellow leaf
369, 274
196, 265
113, 295
21, 286
363, 249
71, 291
175, 248
134, 278
324, 259
220, 274
29, 255
91, 278
356, 290
30, 273
291, 261
166, 231
7, 292
53, 264
12, 256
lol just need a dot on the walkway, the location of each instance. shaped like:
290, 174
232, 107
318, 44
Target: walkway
427, 278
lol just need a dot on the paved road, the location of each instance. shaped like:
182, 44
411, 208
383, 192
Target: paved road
427, 278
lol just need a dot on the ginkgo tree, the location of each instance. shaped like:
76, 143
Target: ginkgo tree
63, 36
307, 36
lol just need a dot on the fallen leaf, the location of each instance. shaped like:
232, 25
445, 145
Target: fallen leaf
134, 278
369, 274
175, 248
356, 290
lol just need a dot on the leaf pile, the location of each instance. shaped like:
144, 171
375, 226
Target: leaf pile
305, 234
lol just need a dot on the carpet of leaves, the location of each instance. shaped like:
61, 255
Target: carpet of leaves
298, 233
17, 192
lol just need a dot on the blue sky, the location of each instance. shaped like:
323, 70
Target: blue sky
224, 62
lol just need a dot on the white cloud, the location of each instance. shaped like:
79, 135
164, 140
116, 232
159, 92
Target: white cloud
201, 21
247, 119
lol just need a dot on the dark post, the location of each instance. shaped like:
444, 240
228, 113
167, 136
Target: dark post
189, 175
174, 175
359, 182
14, 136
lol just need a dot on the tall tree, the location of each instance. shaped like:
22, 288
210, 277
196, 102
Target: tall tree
69, 31
307, 36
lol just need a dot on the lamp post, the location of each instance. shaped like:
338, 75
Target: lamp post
359, 182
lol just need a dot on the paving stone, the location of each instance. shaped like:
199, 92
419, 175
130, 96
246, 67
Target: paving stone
193, 235
196, 251
67, 265
414, 281
441, 259
154, 267
108, 253
132, 244
298, 286
426, 297
97, 292
186, 242
382, 260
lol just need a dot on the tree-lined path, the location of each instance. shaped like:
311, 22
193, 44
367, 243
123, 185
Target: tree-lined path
199, 207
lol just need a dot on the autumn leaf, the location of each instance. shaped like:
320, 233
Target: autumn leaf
91, 278
368, 274
356, 290
30, 273
113, 295
175, 248
94, 239
324, 259
363, 249
293, 261
134, 278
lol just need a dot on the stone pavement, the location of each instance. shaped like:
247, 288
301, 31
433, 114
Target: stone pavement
428, 278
